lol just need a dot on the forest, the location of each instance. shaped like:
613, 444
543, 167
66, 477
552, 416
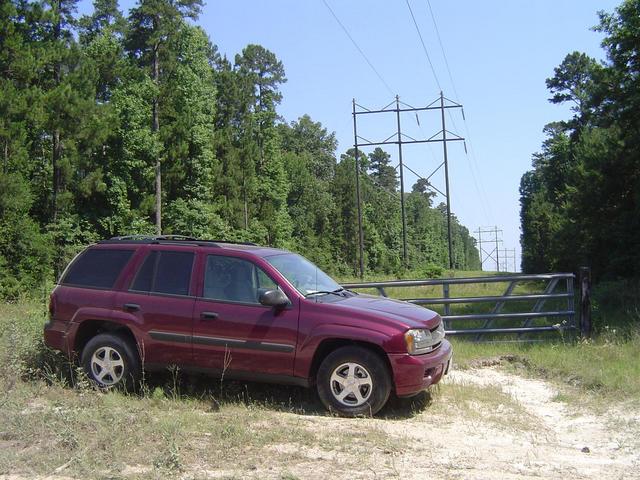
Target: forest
580, 205
120, 123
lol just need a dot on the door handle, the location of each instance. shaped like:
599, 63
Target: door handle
208, 315
131, 307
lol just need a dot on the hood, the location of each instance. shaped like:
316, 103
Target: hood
388, 311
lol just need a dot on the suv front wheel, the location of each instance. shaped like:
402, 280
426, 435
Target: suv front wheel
110, 360
353, 381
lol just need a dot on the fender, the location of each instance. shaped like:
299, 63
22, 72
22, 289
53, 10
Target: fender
334, 331
81, 315
85, 314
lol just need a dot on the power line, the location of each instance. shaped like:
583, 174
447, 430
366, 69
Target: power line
481, 196
446, 62
402, 139
479, 189
355, 44
424, 46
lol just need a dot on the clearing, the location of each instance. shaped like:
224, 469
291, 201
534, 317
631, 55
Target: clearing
482, 423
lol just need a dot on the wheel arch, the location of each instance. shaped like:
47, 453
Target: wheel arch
328, 345
90, 328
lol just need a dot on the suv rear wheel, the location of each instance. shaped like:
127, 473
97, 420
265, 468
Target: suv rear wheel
111, 361
353, 381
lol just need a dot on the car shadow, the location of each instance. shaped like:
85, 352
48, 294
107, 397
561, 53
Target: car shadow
217, 393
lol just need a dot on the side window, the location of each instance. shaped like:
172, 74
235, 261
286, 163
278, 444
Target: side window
97, 268
264, 281
144, 278
234, 280
165, 272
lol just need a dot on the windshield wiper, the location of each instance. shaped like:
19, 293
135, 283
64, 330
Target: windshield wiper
337, 291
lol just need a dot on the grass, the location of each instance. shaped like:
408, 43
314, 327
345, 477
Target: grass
52, 422
607, 366
482, 404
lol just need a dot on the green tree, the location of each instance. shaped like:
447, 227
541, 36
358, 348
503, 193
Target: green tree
309, 159
263, 73
580, 203
382, 173
153, 23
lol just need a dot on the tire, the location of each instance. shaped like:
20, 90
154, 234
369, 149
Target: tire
111, 361
353, 381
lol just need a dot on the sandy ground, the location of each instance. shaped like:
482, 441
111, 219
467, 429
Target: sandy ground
558, 443
529, 432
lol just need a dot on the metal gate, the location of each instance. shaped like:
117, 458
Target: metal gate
529, 308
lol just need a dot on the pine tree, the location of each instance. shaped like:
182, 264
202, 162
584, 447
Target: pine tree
382, 173
153, 22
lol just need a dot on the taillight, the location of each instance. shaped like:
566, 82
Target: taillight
52, 305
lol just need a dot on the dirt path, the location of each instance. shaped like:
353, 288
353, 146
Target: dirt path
535, 437
565, 444
483, 423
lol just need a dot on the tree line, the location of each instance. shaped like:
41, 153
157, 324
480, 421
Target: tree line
580, 205
114, 124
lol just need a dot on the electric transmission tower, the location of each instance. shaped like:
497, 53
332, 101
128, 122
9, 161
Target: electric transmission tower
398, 138
494, 241
508, 257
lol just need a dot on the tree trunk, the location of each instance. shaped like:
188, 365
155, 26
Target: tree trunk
57, 154
56, 151
155, 128
244, 198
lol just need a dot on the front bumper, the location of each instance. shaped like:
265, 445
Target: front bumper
414, 373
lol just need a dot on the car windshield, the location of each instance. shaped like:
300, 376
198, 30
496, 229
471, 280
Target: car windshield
303, 275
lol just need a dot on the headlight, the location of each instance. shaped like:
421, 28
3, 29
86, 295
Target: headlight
422, 340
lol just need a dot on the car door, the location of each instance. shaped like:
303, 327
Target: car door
232, 331
161, 301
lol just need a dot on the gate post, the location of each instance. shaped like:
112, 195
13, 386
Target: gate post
585, 302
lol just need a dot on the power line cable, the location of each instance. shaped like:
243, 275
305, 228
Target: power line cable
483, 199
479, 189
446, 62
424, 46
484, 203
355, 44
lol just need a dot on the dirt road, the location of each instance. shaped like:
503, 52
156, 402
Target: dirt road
483, 423
529, 433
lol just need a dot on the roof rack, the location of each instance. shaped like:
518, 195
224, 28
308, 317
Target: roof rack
232, 242
172, 239
125, 238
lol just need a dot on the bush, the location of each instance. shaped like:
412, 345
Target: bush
430, 270
25, 252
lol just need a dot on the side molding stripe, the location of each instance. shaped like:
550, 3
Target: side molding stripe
170, 337
220, 342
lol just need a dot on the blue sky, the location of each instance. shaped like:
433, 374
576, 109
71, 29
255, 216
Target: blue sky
499, 54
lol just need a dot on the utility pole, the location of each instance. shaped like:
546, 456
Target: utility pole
404, 218
494, 254
441, 103
480, 250
360, 232
497, 250
446, 176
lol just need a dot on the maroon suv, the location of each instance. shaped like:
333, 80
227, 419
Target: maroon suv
241, 310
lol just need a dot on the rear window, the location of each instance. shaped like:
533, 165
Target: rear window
165, 272
97, 268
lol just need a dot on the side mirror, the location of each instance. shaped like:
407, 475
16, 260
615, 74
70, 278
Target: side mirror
274, 298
